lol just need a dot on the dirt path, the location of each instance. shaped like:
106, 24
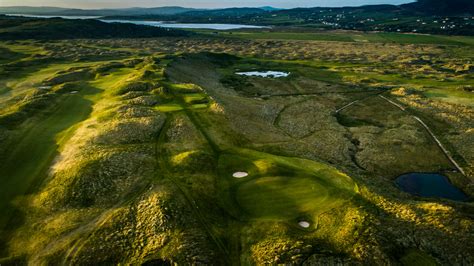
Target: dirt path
347, 105
440, 145
393, 103
356, 101
430, 132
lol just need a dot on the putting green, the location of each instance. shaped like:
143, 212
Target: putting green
284, 188
280, 196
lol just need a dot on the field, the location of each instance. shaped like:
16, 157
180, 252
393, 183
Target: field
288, 33
125, 151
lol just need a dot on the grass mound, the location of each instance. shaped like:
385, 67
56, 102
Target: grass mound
193, 161
75, 75
31, 103
135, 86
129, 131
96, 178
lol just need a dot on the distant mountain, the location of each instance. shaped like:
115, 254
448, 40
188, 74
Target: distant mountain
225, 15
165, 10
270, 8
234, 11
135, 11
31, 10
442, 7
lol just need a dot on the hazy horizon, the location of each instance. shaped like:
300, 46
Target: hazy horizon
92, 4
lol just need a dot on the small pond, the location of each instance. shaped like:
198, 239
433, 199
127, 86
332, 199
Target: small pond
265, 74
429, 185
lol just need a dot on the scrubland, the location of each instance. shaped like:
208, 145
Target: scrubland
123, 151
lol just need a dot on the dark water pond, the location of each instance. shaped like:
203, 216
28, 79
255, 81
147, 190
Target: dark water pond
429, 185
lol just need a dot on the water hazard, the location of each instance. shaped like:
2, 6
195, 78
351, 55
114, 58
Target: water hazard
430, 185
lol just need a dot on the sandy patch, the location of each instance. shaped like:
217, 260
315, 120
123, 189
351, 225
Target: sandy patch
240, 174
304, 224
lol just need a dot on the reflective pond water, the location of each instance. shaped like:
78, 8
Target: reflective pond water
264, 74
429, 185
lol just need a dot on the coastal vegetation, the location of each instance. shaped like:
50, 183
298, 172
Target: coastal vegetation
155, 151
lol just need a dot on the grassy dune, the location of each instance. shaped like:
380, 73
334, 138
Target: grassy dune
28, 158
346, 36
129, 158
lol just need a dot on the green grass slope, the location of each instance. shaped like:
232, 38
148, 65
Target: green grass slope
30, 154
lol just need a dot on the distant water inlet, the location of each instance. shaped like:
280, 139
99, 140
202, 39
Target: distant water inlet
44, 16
430, 185
265, 74
211, 26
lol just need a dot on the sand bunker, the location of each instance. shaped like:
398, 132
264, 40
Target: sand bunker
74, 92
240, 174
265, 74
304, 224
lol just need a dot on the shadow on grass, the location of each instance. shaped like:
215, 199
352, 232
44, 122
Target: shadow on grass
27, 155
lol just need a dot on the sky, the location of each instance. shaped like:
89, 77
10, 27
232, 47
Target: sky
87, 4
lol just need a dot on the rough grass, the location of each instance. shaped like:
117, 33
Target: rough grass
30, 153
417, 257
401, 38
146, 174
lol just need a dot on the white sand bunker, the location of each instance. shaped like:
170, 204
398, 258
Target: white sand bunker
240, 174
304, 224
265, 74
74, 92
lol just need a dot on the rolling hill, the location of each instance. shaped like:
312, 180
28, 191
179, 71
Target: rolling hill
14, 28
